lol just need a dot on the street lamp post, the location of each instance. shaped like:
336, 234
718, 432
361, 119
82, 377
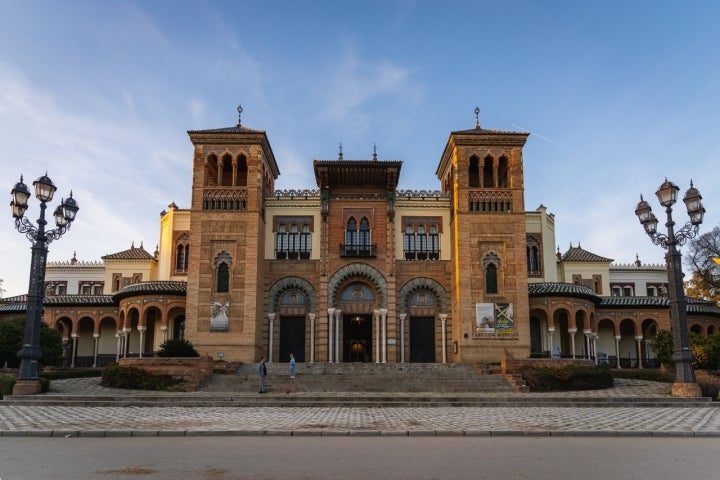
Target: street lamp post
685, 383
30, 354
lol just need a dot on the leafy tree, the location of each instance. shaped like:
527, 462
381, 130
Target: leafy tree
11, 340
705, 277
705, 349
663, 347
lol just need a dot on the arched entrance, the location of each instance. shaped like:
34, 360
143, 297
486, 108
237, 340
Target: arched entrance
422, 339
357, 338
292, 337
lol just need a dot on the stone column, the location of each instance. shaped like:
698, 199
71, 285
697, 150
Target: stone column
126, 342
403, 316
271, 334
338, 316
376, 318
141, 330
96, 338
74, 336
551, 332
638, 339
594, 344
572, 331
588, 334
119, 346
443, 324
331, 339
163, 329
617, 350
312, 337
383, 317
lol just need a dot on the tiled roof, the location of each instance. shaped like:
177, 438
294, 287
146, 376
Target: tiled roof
578, 254
19, 303
542, 289
484, 131
144, 288
133, 253
694, 305
235, 129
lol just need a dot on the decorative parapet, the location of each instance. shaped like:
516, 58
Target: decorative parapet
224, 198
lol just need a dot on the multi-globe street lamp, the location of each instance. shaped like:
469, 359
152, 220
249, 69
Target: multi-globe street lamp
685, 384
30, 354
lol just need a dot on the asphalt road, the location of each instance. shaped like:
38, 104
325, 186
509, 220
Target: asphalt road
356, 458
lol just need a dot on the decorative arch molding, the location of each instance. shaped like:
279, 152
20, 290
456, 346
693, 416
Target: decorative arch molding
422, 283
357, 270
290, 283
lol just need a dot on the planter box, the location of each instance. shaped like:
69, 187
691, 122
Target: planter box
192, 370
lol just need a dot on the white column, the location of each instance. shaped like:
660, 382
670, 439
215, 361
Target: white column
638, 339
551, 332
141, 329
126, 341
403, 316
587, 334
594, 348
74, 337
572, 331
312, 337
383, 317
376, 323
331, 339
617, 350
163, 329
443, 324
118, 347
96, 337
271, 334
338, 315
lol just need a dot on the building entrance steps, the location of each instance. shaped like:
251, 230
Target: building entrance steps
364, 377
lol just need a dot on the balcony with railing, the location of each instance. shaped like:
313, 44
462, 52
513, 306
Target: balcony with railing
223, 198
415, 255
354, 250
490, 201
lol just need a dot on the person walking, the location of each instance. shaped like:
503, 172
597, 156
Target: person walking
262, 374
292, 366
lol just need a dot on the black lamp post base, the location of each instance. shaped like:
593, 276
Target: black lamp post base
683, 389
26, 387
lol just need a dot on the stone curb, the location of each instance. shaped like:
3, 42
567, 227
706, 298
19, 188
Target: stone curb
348, 433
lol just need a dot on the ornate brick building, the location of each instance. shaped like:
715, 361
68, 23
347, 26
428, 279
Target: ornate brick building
355, 270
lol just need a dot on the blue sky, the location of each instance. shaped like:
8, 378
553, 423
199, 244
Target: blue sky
617, 95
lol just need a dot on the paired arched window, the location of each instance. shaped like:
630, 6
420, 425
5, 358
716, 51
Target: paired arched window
182, 253
293, 241
421, 242
358, 239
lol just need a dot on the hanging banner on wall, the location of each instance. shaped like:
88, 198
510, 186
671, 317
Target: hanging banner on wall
485, 318
494, 318
219, 316
504, 323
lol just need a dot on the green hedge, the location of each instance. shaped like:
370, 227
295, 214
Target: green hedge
7, 382
113, 375
568, 378
58, 373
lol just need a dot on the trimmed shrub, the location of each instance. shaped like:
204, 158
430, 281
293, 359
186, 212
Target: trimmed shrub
177, 347
652, 375
709, 384
569, 378
58, 373
11, 341
113, 375
7, 382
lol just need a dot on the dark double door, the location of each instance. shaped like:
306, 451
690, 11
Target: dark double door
357, 338
422, 339
292, 338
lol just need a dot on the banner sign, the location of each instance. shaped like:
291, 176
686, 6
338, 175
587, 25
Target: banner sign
494, 318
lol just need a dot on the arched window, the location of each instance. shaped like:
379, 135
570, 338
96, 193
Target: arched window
488, 180
293, 242
281, 242
434, 244
474, 172
422, 242
351, 237
242, 171
364, 243
491, 279
305, 245
181, 258
227, 171
503, 174
222, 272
409, 243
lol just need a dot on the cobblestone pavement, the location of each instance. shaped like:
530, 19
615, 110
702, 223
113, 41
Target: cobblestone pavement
434, 421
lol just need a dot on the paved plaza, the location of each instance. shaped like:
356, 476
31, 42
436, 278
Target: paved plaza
63, 421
